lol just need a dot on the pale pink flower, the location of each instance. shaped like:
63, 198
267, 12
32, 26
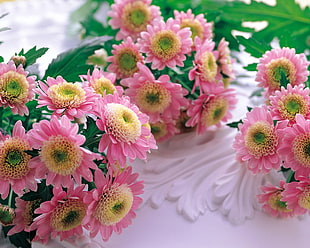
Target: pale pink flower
62, 216
16, 89
156, 98
198, 24
125, 58
257, 143
297, 195
164, 129
64, 98
126, 134
205, 71
132, 16
286, 103
165, 44
61, 157
295, 146
211, 109
15, 168
103, 83
113, 203
279, 67
273, 202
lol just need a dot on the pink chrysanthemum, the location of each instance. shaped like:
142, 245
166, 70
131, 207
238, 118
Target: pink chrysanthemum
126, 132
113, 203
156, 98
285, 104
279, 67
62, 216
103, 83
125, 58
205, 71
272, 201
64, 98
15, 168
24, 215
297, 196
61, 156
16, 89
295, 146
257, 142
164, 129
211, 109
198, 24
165, 44
132, 17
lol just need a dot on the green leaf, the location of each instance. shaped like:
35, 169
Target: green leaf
33, 54
72, 63
1, 59
20, 239
234, 124
251, 67
254, 47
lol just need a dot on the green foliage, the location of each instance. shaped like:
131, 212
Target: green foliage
234, 124
33, 54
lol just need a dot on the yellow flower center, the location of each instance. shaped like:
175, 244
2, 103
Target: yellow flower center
127, 61
13, 159
61, 155
114, 205
280, 72
208, 66
67, 95
68, 214
14, 87
301, 149
136, 16
122, 122
214, 111
304, 199
260, 139
28, 214
103, 85
153, 97
159, 130
291, 105
276, 203
195, 27
165, 45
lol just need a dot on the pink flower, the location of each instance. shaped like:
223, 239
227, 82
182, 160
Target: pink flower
61, 155
61, 216
297, 196
164, 129
198, 24
295, 146
156, 98
15, 168
132, 17
16, 89
205, 71
103, 83
211, 109
273, 202
285, 104
125, 58
279, 67
165, 44
64, 98
257, 142
113, 203
126, 132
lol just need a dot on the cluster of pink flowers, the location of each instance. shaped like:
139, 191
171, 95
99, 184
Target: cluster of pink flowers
276, 135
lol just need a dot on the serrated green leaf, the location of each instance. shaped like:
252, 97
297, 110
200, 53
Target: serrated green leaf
253, 46
33, 54
72, 63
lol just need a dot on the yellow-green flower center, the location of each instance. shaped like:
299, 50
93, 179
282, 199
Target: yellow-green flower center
68, 214
291, 105
28, 213
304, 199
159, 130
127, 59
67, 95
165, 45
301, 149
276, 203
122, 122
7, 215
136, 16
14, 87
208, 66
214, 111
153, 97
103, 86
114, 204
61, 155
280, 72
260, 139
195, 27
13, 159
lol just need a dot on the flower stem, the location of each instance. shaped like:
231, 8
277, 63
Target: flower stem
1, 116
290, 177
10, 198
